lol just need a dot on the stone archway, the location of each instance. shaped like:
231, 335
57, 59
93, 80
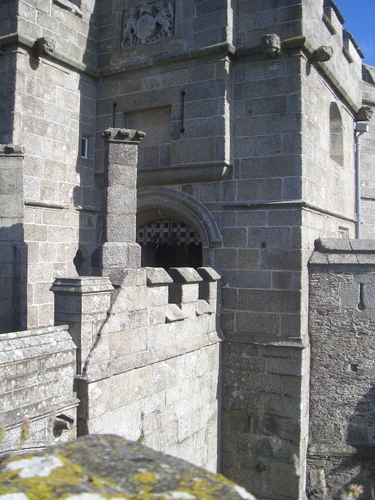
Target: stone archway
186, 222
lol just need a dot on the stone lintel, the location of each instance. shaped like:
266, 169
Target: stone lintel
125, 135
82, 285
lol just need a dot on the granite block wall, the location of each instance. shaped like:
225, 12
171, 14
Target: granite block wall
342, 366
38, 402
49, 110
150, 363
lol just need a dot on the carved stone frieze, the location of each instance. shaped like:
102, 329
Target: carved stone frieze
149, 23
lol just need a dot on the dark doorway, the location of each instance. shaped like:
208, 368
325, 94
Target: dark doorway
169, 243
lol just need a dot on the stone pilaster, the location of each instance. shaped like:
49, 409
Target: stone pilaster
120, 250
82, 304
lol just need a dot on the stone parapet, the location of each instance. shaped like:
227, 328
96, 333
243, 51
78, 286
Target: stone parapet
341, 326
38, 405
142, 354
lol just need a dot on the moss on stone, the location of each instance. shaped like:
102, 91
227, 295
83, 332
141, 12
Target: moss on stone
112, 467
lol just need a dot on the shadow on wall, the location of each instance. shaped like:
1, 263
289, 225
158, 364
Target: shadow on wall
87, 196
13, 279
360, 436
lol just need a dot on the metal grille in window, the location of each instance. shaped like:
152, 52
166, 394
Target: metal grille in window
167, 232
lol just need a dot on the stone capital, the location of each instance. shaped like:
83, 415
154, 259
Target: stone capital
11, 150
125, 135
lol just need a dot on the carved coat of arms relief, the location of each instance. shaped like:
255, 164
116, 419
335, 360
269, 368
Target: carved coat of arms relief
148, 23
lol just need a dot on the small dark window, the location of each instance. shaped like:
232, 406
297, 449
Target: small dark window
84, 147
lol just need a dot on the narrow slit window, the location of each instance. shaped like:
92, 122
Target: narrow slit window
84, 147
336, 134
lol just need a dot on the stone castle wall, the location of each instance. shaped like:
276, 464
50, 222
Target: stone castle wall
152, 372
143, 360
38, 402
342, 366
51, 104
248, 116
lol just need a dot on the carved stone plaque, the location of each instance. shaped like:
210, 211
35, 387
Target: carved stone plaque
149, 23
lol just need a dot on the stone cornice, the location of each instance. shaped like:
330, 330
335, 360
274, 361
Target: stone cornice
29, 43
285, 204
224, 49
180, 174
145, 61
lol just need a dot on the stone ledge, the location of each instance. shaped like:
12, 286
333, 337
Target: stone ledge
83, 284
330, 251
104, 466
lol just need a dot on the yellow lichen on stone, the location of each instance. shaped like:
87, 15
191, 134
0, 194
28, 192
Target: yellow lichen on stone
36, 488
145, 478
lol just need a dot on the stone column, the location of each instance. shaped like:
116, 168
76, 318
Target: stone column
120, 251
13, 299
82, 304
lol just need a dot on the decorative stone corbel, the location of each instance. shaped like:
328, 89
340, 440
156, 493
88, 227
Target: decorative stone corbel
44, 45
322, 54
364, 114
271, 45
123, 134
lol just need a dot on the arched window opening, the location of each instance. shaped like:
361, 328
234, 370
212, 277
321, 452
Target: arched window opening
336, 134
169, 243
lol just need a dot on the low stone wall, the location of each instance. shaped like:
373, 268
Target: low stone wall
149, 357
130, 470
37, 402
342, 398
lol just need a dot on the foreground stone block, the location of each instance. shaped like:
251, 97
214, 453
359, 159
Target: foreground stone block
104, 466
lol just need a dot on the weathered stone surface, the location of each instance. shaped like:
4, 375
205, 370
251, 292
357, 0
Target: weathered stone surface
98, 467
35, 366
342, 320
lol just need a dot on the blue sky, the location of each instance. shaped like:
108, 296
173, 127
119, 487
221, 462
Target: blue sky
359, 18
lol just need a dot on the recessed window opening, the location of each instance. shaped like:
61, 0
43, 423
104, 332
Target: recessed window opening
336, 134
84, 147
169, 243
